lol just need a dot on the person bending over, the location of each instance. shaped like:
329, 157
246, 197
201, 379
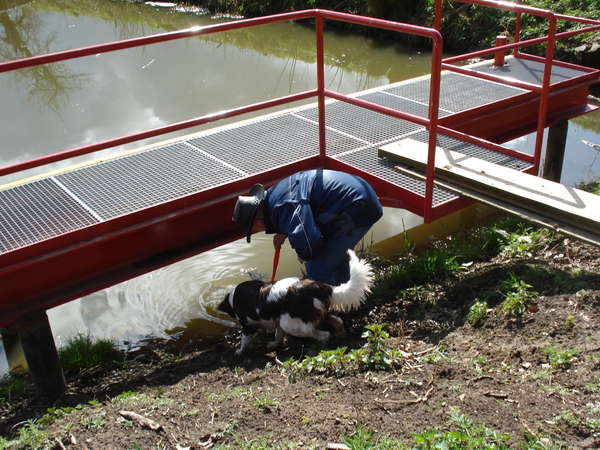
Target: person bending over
322, 212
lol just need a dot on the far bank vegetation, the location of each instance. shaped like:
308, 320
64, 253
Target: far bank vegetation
465, 27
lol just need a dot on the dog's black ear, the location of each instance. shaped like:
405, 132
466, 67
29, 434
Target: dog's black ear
225, 306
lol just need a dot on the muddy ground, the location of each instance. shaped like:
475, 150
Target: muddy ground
499, 372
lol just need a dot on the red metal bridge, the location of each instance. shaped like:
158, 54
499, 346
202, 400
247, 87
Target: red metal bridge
65, 235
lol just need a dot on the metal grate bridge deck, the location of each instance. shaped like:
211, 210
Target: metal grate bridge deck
205, 172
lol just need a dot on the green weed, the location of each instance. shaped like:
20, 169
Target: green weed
477, 311
417, 270
363, 439
462, 435
93, 421
264, 400
567, 417
136, 398
31, 436
517, 296
593, 187
13, 385
561, 360
522, 238
216, 397
373, 355
84, 352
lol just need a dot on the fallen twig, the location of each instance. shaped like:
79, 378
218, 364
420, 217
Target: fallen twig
141, 420
420, 399
332, 446
495, 394
482, 377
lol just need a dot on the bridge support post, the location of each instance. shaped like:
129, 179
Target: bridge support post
555, 151
41, 354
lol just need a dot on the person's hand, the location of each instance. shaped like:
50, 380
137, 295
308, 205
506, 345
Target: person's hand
278, 240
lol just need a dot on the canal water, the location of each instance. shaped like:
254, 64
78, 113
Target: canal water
70, 104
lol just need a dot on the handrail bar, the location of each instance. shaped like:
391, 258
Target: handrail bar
147, 40
519, 44
197, 121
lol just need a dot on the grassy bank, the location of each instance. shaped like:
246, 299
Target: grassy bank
439, 329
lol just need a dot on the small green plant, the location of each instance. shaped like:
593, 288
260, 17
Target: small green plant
540, 442
418, 269
462, 435
517, 296
84, 352
561, 360
373, 355
93, 421
14, 385
477, 312
566, 417
570, 322
237, 392
523, 239
264, 400
363, 439
31, 436
127, 397
376, 355
136, 398
189, 413
593, 186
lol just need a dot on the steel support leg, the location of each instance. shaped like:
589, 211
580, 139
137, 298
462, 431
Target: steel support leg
41, 354
555, 151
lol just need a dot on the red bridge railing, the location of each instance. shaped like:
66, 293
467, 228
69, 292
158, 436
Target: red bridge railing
320, 92
549, 39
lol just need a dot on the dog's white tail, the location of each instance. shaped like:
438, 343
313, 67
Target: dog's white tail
350, 295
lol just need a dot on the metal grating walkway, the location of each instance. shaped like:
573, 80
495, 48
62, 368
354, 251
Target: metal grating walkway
531, 72
48, 207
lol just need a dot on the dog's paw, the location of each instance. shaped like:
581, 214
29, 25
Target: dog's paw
322, 336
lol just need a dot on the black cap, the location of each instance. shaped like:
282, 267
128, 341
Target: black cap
246, 208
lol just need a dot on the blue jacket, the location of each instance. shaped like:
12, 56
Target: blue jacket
310, 206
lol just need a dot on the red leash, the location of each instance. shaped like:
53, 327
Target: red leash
275, 262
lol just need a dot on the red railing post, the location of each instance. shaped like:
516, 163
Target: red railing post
499, 57
518, 28
434, 102
321, 89
537, 154
437, 21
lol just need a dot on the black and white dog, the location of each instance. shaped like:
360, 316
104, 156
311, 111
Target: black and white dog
296, 306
